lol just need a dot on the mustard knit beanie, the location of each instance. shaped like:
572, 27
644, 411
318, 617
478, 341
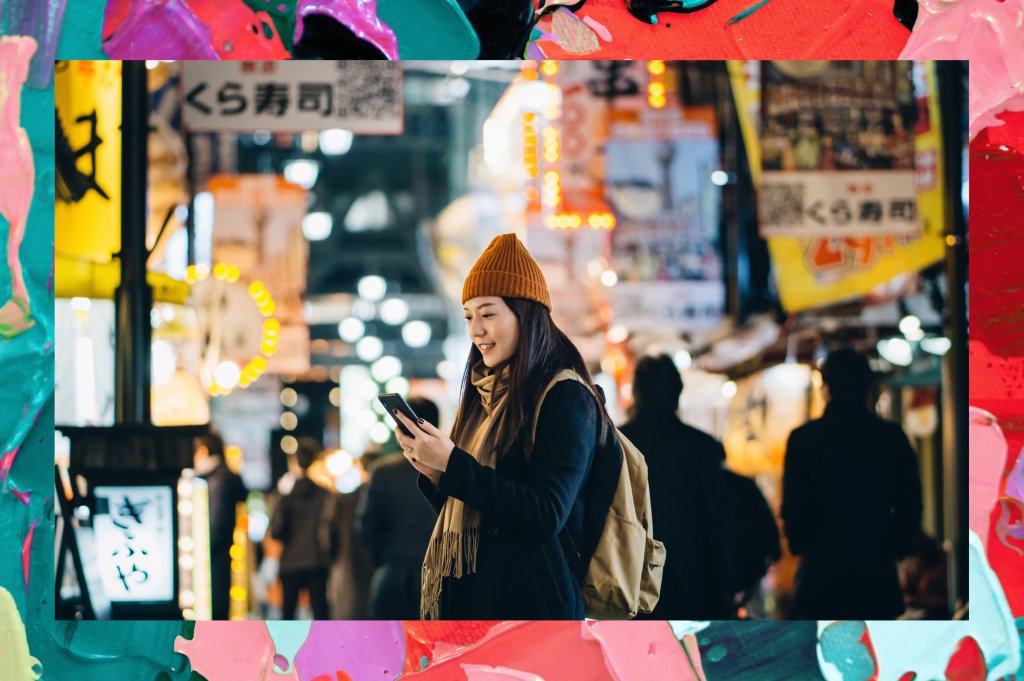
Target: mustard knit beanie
506, 268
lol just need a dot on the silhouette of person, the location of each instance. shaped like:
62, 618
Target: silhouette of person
226, 491
396, 524
688, 498
851, 503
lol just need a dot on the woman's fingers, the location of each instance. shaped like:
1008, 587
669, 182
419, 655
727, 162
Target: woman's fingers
406, 421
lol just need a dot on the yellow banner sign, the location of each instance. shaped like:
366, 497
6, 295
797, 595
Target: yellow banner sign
814, 272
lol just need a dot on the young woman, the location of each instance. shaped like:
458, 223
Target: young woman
510, 540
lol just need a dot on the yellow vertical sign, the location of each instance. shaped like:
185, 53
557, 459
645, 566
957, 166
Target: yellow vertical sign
87, 212
821, 271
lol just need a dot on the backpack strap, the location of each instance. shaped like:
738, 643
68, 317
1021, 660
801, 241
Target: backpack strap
563, 375
569, 549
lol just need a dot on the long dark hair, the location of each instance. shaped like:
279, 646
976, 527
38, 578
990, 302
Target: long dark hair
543, 350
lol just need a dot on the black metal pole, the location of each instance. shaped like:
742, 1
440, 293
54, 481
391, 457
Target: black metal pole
952, 103
133, 299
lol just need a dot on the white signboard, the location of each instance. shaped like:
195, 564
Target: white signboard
134, 528
838, 203
662, 305
292, 96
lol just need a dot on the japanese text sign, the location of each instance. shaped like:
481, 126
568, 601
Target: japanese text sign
848, 203
292, 96
134, 542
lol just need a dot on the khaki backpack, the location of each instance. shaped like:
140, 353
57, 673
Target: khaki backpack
624, 575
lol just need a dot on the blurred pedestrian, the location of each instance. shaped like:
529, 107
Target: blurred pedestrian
510, 540
851, 501
226, 491
755, 533
395, 525
307, 522
349, 582
688, 497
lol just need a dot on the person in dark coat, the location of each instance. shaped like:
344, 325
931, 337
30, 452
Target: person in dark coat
497, 549
688, 497
395, 525
851, 501
754, 531
226, 491
307, 522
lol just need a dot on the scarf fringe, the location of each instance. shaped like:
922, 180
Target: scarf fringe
449, 555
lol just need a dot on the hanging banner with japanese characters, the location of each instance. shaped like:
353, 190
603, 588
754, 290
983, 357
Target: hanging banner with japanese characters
813, 271
87, 210
837, 149
134, 528
364, 97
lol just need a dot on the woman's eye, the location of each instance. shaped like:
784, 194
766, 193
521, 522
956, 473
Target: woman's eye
487, 316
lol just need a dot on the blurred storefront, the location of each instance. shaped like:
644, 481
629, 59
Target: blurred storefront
305, 232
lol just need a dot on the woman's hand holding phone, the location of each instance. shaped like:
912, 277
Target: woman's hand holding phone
429, 451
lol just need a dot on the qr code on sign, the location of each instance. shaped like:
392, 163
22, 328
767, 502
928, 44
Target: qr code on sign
781, 204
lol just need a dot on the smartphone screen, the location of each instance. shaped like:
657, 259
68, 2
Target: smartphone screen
393, 401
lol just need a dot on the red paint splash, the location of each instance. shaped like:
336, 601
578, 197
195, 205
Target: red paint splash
7, 461
424, 639
967, 663
26, 551
997, 300
865, 640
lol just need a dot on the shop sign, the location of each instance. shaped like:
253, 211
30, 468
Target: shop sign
293, 96
663, 305
87, 210
134, 528
817, 271
838, 204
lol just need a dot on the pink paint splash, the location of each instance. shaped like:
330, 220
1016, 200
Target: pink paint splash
1011, 509
634, 651
600, 29
26, 552
359, 16
227, 651
991, 34
987, 461
17, 177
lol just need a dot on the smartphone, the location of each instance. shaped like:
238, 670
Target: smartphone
393, 401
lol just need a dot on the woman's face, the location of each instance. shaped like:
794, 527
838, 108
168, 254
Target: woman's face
493, 328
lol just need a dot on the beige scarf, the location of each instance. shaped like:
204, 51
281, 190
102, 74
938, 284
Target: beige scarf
453, 544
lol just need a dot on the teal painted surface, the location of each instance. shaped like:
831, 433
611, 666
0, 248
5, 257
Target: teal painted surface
83, 30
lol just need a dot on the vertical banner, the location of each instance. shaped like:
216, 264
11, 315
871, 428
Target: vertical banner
87, 210
821, 270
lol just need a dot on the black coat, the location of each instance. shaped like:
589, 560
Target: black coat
688, 510
851, 506
522, 569
296, 523
395, 524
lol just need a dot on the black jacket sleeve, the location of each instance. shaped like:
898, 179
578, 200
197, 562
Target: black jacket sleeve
564, 447
280, 520
794, 495
906, 497
433, 494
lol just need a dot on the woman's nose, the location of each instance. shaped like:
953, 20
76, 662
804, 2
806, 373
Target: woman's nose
476, 328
